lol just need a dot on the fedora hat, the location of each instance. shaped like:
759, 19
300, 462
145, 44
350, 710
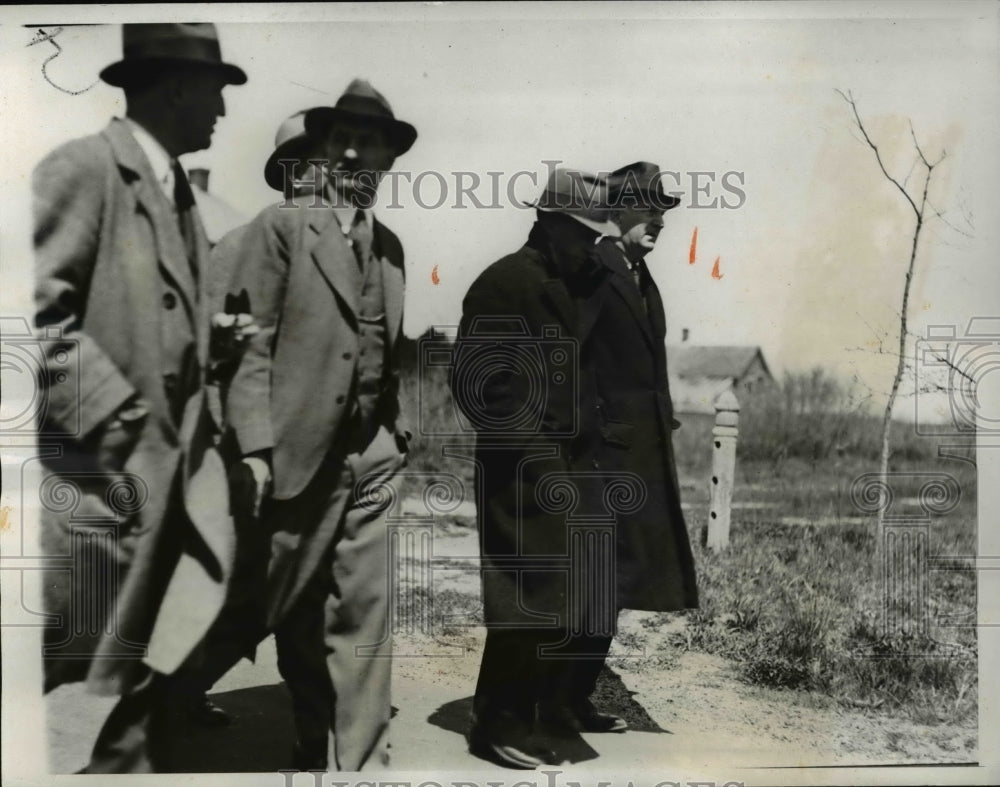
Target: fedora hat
150, 47
291, 142
576, 193
362, 102
639, 182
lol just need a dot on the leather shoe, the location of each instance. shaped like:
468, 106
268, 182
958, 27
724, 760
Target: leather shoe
579, 717
506, 741
310, 755
204, 712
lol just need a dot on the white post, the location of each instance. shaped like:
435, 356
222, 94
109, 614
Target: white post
724, 433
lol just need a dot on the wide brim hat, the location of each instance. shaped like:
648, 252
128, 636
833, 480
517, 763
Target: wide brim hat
363, 103
582, 195
151, 48
639, 182
291, 142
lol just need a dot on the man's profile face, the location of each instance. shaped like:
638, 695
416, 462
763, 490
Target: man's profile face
640, 226
199, 103
359, 155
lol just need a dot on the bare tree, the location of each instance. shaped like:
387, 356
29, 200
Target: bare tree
921, 211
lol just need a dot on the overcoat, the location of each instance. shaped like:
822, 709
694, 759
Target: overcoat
606, 430
292, 393
140, 552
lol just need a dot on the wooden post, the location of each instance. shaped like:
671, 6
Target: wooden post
724, 433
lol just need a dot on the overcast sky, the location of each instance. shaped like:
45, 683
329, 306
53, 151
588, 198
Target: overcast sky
812, 260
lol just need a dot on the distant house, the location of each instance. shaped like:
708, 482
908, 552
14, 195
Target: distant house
217, 215
698, 374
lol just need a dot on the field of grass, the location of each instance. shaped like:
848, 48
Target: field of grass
797, 601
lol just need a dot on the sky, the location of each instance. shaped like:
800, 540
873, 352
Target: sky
810, 259
810, 264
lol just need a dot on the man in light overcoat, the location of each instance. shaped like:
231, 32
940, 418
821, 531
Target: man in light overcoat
133, 494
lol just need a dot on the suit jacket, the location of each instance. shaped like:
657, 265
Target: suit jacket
291, 392
563, 291
121, 314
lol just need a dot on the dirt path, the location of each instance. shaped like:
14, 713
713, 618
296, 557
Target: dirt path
685, 710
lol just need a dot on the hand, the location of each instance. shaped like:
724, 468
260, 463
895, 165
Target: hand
230, 334
261, 471
117, 437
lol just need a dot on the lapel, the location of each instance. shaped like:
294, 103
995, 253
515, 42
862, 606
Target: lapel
154, 203
393, 285
333, 256
657, 317
621, 281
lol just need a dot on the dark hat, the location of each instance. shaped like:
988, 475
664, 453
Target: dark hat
580, 194
362, 102
148, 46
291, 142
639, 182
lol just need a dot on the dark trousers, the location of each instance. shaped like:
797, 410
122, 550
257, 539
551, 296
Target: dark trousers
522, 667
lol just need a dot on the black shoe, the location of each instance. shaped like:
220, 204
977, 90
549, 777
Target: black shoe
205, 713
579, 717
310, 755
506, 740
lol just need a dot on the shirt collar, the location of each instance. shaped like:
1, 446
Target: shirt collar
158, 158
346, 214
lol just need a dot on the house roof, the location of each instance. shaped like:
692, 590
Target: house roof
694, 362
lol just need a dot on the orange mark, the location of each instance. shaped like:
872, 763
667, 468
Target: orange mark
434, 275
4, 522
715, 269
694, 247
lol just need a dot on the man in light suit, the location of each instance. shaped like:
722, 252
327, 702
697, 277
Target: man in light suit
120, 300
315, 409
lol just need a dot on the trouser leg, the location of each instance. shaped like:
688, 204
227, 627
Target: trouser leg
302, 663
358, 638
133, 738
510, 675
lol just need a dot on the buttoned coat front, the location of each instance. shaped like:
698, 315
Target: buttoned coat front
292, 393
140, 553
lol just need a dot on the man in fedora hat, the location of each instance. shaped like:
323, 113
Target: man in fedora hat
555, 576
120, 295
528, 435
622, 337
314, 406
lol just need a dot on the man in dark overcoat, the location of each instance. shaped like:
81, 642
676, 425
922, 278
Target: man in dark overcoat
134, 497
555, 447
314, 406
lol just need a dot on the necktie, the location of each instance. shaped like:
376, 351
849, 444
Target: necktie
361, 239
184, 203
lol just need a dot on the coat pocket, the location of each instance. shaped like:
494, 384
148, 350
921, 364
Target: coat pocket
618, 433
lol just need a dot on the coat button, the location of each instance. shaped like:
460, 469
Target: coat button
596, 464
348, 356
169, 300
340, 399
